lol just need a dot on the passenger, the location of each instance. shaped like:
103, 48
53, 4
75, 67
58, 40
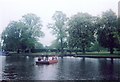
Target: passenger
42, 57
39, 59
46, 58
55, 57
52, 57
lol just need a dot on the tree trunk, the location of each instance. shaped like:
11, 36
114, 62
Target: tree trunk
111, 50
70, 52
83, 50
76, 53
18, 51
61, 40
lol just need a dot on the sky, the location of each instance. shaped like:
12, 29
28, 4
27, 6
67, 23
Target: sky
13, 10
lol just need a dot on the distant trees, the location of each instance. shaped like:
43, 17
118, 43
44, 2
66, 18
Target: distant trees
59, 28
85, 30
22, 34
117, 33
10, 36
107, 29
81, 31
38, 45
56, 44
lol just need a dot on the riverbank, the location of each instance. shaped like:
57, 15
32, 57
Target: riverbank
98, 56
86, 55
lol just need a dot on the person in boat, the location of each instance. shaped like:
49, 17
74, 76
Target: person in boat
53, 57
46, 58
42, 57
39, 59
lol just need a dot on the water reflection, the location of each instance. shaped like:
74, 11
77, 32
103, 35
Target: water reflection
68, 68
78, 69
107, 69
17, 67
45, 72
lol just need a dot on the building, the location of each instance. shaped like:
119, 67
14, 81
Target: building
119, 9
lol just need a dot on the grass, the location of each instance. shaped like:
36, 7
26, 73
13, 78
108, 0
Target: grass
53, 53
97, 53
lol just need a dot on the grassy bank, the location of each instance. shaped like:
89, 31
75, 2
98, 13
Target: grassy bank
98, 53
72, 54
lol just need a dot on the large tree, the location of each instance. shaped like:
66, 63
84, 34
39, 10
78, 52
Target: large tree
117, 34
81, 31
10, 36
22, 34
118, 31
106, 32
59, 27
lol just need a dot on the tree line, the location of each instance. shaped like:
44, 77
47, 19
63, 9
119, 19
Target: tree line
78, 32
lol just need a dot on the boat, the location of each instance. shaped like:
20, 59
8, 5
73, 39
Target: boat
47, 62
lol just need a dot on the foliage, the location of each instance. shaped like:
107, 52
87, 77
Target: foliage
38, 45
106, 31
117, 33
96, 47
59, 27
22, 34
117, 38
11, 35
56, 45
81, 31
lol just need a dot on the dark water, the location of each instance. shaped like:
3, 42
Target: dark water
68, 68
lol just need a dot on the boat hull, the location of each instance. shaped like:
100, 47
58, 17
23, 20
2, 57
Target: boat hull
47, 62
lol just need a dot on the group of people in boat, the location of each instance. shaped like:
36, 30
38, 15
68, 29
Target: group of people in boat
46, 58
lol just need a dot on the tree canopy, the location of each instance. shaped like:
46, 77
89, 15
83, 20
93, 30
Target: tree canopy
81, 31
22, 34
59, 27
106, 36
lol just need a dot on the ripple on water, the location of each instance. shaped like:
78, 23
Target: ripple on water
68, 68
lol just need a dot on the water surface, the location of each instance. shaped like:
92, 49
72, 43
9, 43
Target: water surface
68, 68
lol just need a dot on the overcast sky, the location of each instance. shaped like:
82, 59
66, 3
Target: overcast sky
14, 9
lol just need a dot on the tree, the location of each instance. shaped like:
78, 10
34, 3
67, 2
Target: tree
56, 45
97, 47
10, 36
117, 35
106, 31
33, 31
81, 31
59, 27
22, 34
38, 45
34, 25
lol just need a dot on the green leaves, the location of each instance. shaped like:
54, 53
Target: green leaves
106, 31
22, 34
81, 31
59, 27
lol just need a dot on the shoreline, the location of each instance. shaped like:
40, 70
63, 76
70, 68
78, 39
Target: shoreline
98, 56
70, 55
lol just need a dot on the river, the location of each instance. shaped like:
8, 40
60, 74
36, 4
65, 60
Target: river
68, 68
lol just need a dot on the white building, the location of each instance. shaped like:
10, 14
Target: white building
119, 9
